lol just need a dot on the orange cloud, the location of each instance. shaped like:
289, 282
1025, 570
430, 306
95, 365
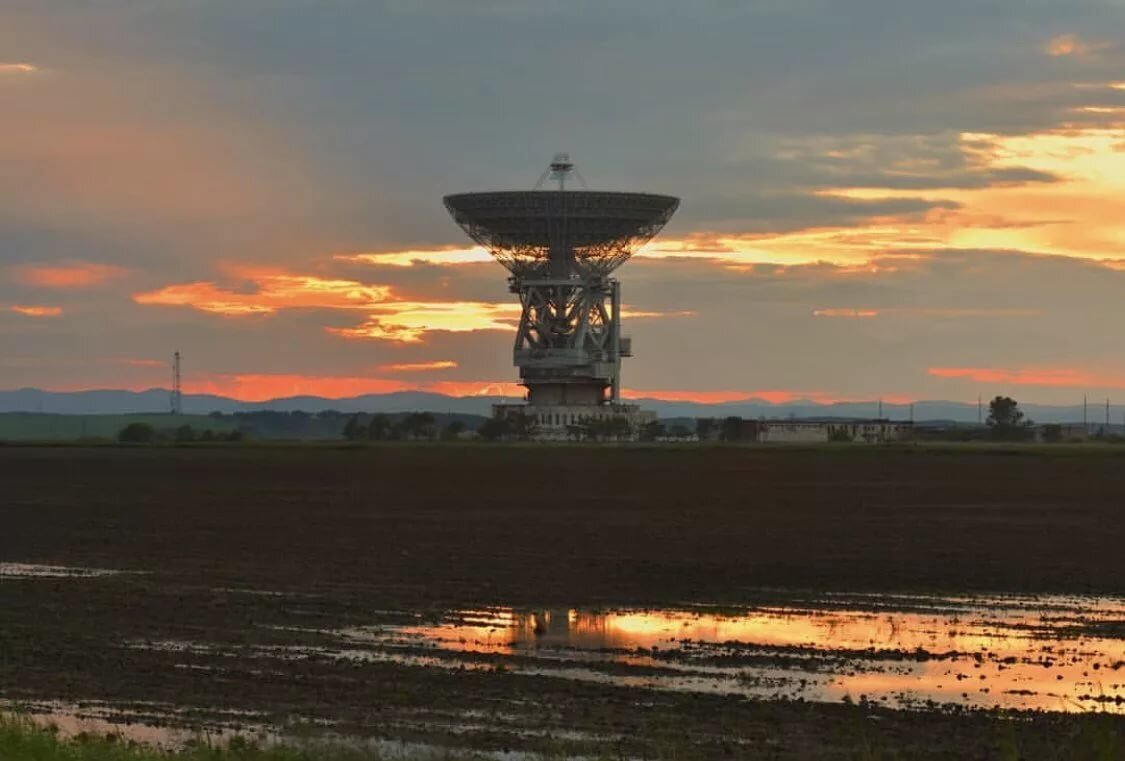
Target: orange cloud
923, 312
408, 321
36, 311
72, 275
1071, 45
417, 367
1049, 377
17, 68
843, 312
262, 387
270, 292
387, 318
442, 256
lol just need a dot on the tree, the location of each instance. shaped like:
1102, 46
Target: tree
732, 429
495, 429
524, 427
185, 433
137, 433
453, 430
1006, 420
652, 431
679, 431
354, 429
416, 425
379, 429
1052, 434
704, 428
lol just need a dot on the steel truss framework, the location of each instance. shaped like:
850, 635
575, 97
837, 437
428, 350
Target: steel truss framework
568, 333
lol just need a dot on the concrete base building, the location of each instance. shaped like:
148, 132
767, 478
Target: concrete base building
574, 422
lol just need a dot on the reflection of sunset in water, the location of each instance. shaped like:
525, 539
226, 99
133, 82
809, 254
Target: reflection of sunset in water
1052, 653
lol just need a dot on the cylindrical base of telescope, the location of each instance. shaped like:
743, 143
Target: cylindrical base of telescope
566, 394
616, 422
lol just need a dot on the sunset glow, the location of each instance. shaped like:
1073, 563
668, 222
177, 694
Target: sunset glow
270, 291
16, 68
36, 311
889, 207
409, 321
417, 367
71, 275
443, 256
1057, 377
936, 312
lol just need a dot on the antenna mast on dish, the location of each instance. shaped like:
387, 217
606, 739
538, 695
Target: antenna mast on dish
560, 168
177, 391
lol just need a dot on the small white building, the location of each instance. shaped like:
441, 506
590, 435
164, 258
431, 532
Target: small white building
814, 431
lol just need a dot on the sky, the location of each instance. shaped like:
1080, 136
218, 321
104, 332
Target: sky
880, 198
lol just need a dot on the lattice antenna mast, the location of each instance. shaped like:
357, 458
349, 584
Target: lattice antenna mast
560, 169
177, 389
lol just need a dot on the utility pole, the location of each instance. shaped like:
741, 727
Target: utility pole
980, 410
880, 415
1085, 414
1107, 415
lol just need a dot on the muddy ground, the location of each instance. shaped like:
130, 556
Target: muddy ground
350, 536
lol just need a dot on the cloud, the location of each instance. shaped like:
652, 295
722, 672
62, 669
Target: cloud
928, 312
389, 316
417, 367
16, 69
69, 275
1047, 377
1072, 45
909, 158
441, 256
268, 293
408, 321
36, 311
253, 387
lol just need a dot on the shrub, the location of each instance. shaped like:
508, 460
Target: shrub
137, 433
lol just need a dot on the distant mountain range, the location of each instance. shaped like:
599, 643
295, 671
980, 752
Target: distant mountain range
110, 402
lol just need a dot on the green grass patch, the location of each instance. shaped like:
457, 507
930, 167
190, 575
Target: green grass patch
21, 740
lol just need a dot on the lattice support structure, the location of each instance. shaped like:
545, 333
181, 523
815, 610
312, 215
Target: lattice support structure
568, 344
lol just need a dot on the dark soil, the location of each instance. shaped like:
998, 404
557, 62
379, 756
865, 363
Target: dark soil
346, 533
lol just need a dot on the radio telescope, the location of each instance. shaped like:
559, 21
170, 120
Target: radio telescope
561, 245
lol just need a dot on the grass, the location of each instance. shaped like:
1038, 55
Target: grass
21, 740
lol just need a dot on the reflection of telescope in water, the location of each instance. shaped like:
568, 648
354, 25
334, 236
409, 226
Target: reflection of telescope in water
561, 626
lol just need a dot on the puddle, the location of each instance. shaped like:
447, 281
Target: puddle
1048, 653
32, 571
155, 724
